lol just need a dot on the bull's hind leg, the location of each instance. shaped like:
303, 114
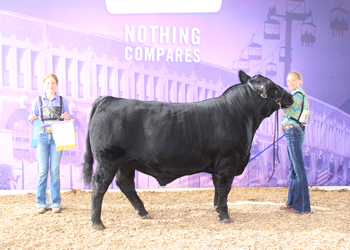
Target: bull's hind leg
127, 186
101, 180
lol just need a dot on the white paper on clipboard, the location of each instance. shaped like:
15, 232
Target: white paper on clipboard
64, 134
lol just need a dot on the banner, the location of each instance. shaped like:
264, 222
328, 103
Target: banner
35, 133
181, 51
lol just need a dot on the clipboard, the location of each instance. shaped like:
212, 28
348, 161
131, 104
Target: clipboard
64, 134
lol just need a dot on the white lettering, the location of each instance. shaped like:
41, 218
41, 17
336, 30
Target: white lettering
183, 36
169, 56
164, 34
180, 35
160, 52
129, 33
153, 34
127, 57
149, 54
138, 54
196, 55
142, 34
188, 55
195, 39
178, 55
174, 35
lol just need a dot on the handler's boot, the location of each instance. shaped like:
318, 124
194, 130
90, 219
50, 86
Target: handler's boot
56, 210
285, 207
41, 210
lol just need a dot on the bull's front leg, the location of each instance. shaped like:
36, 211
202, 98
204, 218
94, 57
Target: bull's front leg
223, 179
100, 184
223, 189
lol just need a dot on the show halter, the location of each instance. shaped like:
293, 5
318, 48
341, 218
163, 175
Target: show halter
278, 101
263, 95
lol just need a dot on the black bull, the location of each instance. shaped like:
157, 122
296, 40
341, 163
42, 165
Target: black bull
171, 140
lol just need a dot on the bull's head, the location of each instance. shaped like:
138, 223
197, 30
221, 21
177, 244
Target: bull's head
266, 88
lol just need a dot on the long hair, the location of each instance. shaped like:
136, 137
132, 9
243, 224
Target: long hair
50, 75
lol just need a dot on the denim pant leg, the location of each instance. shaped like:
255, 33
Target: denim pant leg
292, 177
43, 153
55, 184
49, 159
298, 196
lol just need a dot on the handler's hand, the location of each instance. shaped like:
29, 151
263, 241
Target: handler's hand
66, 116
32, 117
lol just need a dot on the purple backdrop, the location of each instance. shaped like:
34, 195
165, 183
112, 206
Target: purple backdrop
178, 57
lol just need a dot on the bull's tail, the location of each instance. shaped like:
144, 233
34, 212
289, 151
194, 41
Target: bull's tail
88, 156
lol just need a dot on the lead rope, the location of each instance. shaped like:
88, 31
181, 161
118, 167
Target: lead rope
274, 147
279, 102
275, 152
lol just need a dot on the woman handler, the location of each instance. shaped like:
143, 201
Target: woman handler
48, 108
293, 126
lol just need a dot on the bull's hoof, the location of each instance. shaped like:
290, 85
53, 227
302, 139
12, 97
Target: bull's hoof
226, 221
146, 217
98, 227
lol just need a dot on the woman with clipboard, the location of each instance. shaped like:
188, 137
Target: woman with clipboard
47, 108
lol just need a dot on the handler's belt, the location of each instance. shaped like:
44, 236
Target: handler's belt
288, 126
48, 130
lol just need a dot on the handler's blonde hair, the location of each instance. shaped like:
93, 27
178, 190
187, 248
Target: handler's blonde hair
297, 74
50, 75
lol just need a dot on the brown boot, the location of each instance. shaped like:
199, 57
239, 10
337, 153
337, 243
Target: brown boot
284, 207
292, 211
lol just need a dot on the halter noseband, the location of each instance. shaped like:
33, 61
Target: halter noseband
278, 100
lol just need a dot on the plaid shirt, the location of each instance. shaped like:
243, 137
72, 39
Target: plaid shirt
295, 110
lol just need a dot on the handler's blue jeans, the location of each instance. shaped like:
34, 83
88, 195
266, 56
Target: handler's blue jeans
298, 195
49, 159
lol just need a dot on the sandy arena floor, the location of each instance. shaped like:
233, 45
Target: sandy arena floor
181, 220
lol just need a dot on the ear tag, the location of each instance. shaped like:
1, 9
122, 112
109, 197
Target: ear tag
262, 86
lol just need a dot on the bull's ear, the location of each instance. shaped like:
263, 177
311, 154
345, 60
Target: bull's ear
243, 77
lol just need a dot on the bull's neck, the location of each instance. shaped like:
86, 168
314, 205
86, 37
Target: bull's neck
245, 104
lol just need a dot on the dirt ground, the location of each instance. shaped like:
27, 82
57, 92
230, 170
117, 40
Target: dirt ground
181, 220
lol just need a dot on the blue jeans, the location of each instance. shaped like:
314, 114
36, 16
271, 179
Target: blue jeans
298, 195
49, 159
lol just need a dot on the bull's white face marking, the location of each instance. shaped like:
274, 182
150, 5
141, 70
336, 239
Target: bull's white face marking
293, 82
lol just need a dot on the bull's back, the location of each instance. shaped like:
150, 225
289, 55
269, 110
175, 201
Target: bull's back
157, 132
